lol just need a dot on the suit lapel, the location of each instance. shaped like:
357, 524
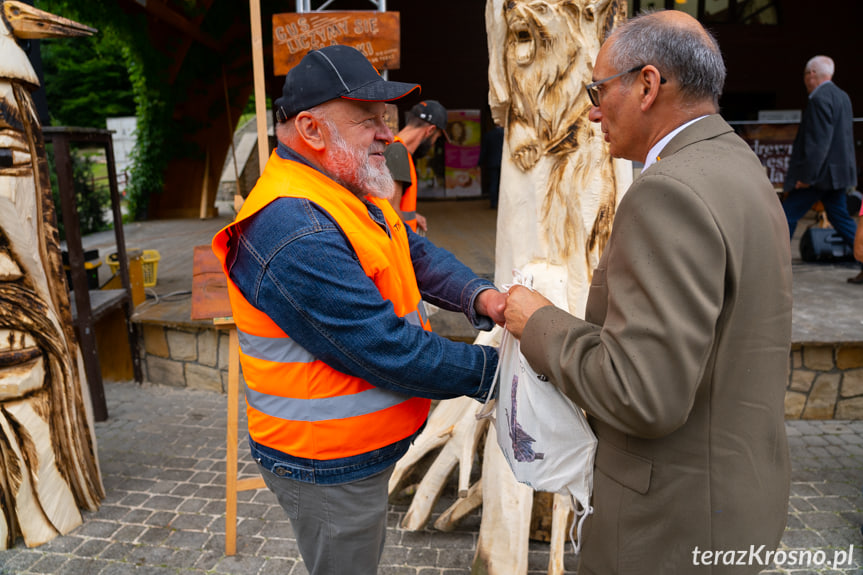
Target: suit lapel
704, 129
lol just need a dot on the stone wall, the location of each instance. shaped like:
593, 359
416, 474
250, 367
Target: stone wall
190, 357
826, 380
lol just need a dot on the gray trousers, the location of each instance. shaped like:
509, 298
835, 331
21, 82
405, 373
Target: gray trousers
340, 529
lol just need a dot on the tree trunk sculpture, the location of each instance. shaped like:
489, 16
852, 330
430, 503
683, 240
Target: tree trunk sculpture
48, 466
559, 190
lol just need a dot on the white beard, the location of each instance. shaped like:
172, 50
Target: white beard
353, 170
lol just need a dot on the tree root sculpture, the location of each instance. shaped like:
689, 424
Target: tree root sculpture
558, 194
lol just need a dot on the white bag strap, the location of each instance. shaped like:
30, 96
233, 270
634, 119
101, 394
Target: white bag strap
581, 513
487, 410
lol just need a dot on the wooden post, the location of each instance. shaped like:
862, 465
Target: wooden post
123, 260
260, 89
232, 484
81, 290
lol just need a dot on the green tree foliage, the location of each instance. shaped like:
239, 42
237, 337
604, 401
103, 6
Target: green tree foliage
86, 80
123, 37
127, 34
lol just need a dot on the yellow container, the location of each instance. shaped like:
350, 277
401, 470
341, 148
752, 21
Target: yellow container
150, 265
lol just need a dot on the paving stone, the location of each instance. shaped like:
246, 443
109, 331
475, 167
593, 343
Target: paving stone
64, 544
154, 536
117, 551
187, 539
49, 563
822, 520
128, 533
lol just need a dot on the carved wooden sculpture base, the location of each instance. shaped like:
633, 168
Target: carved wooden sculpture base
559, 189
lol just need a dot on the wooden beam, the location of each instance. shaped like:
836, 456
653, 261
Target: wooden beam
260, 84
161, 11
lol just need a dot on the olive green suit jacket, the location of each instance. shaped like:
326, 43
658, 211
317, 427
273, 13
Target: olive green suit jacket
682, 364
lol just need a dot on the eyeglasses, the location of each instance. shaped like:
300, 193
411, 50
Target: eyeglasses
593, 88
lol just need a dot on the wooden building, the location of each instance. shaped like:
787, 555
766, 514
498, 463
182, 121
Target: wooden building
766, 44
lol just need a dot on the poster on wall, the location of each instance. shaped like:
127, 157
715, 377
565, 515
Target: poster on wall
772, 144
461, 168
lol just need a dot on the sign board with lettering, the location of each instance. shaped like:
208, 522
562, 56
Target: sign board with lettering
376, 34
772, 144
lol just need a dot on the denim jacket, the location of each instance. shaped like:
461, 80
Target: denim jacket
292, 261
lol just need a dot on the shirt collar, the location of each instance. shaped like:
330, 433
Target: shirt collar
287, 153
653, 154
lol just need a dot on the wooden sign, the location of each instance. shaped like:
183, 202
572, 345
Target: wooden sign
376, 34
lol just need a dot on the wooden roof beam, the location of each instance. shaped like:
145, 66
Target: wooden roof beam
161, 11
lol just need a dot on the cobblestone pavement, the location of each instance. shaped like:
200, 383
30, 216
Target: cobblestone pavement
162, 454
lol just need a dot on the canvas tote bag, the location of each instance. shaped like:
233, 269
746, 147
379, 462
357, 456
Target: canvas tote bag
544, 436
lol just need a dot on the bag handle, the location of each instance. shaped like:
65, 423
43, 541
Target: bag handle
487, 410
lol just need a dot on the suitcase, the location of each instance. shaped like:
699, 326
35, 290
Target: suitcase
824, 245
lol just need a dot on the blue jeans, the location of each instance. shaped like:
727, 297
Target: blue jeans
799, 202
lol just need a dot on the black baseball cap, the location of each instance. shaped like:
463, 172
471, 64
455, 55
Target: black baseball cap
432, 112
335, 72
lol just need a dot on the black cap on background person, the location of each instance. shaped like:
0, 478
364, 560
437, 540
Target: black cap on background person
434, 113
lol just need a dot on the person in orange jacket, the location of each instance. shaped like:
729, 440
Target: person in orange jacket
327, 284
425, 123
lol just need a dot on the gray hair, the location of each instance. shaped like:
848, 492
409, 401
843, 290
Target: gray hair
823, 66
679, 53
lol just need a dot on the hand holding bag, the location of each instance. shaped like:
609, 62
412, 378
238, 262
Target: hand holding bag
543, 435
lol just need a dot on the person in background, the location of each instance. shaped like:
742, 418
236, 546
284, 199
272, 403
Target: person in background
425, 123
822, 165
490, 157
858, 251
681, 360
326, 285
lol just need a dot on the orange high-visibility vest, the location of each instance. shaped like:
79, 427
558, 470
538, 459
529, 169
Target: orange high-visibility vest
296, 403
408, 204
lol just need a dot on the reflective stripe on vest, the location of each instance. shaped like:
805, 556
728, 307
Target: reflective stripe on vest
286, 350
324, 408
408, 204
298, 404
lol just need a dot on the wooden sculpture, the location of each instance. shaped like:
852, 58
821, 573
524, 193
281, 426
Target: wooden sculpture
559, 190
48, 466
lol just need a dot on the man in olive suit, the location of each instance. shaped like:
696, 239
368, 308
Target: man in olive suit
681, 361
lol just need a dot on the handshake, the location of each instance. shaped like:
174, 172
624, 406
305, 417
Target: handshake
510, 309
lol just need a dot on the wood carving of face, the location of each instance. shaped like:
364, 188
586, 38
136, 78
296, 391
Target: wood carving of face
48, 466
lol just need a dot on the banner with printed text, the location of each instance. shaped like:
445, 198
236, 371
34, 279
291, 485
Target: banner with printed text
772, 144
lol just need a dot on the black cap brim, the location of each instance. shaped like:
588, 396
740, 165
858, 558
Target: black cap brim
382, 91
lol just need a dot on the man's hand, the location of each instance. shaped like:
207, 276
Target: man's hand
521, 303
801, 185
422, 224
491, 303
